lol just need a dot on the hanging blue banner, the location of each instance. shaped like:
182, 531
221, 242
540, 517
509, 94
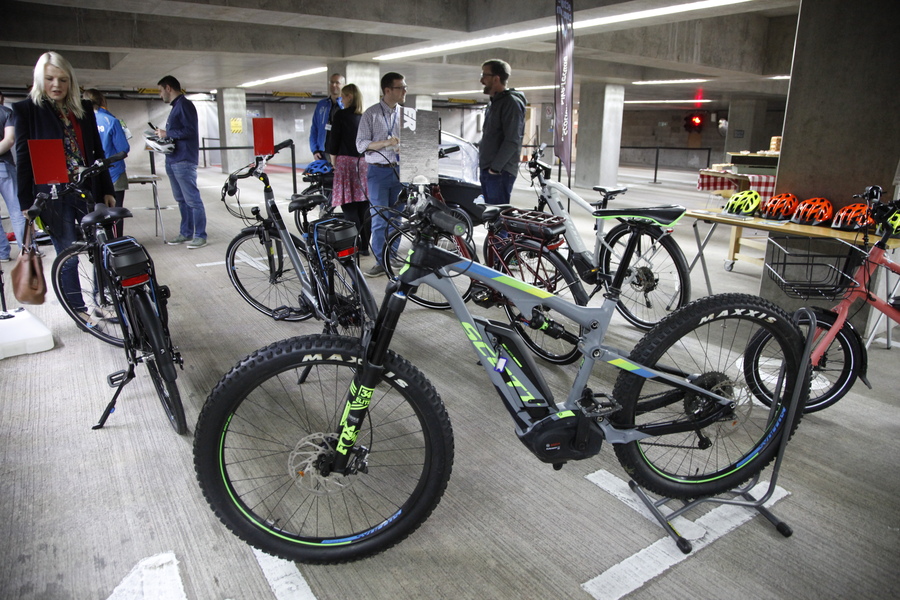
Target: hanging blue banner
565, 46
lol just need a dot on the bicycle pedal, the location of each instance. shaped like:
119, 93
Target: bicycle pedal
115, 379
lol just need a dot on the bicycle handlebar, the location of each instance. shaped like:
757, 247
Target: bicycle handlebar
99, 165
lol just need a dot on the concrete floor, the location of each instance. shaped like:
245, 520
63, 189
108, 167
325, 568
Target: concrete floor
80, 509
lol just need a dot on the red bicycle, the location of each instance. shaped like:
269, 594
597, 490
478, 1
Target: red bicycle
839, 355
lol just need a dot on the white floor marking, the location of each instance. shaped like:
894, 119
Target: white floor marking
212, 264
286, 581
641, 567
154, 578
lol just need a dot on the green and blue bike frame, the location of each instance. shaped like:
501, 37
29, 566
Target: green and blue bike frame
509, 365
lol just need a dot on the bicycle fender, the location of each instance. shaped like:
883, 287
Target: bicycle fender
831, 316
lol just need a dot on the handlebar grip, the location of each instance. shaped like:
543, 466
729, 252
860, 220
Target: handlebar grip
231, 186
447, 223
116, 158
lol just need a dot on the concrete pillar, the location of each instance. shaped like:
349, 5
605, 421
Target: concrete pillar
746, 126
546, 131
600, 112
365, 76
841, 119
419, 102
235, 127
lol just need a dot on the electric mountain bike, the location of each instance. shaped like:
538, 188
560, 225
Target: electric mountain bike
326, 449
265, 262
657, 280
108, 286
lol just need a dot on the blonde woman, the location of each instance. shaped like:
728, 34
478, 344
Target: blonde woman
349, 190
54, 110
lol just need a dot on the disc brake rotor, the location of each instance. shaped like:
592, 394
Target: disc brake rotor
305, 465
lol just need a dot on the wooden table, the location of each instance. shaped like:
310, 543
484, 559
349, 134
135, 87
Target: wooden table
739, 223
709, 181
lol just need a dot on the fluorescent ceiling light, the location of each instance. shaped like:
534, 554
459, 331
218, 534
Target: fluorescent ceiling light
691, 101
520, 89
551, 29
668, 81
283, 77
780, 77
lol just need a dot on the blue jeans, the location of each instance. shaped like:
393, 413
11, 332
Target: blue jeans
497, 188
384, 189
9, 191
61, 224
183, 178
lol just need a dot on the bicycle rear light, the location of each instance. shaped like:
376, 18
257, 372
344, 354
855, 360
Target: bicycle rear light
136, 280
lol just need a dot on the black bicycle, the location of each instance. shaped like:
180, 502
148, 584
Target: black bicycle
108, 286
294, 278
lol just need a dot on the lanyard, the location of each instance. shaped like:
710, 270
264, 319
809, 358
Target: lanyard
389, 126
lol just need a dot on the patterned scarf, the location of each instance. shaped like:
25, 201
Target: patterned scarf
74, 160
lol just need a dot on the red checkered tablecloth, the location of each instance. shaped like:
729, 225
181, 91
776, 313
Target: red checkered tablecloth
722, 180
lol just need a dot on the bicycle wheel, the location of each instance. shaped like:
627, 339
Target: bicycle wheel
657, 281
91, 307
160, 359
396, 248
261, 271
706, 343
831, 378
265, 433
528, 261
345, 306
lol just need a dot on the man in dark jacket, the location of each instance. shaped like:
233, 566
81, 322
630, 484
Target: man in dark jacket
501, 140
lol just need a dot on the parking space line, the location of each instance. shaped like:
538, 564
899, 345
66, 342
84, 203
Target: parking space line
636, 570
284, 578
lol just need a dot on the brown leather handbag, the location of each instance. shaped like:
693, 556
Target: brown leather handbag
27, 275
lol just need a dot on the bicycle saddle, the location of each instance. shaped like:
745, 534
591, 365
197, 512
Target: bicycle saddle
306, 202
492, 211
664, 215
103, 215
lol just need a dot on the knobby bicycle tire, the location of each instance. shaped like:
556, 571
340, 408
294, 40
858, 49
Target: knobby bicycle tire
546, 269
160, 359
92, 307
831, 378
708, 341
267, 426
396, 248
657, 281
264, 275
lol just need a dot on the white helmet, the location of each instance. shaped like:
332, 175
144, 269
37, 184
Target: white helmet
157, 144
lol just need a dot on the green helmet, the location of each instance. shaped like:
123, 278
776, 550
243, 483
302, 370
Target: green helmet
743, 203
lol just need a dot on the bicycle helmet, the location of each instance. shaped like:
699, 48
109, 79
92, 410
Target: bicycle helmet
743, 203
320, 166
779, 208
892, 223
158, 144
813, 211
853, 217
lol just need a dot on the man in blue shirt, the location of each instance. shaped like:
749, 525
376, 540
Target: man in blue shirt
112, 134
181, 165
321, 122
8, 184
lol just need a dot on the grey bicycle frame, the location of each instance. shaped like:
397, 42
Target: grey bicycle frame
595, 320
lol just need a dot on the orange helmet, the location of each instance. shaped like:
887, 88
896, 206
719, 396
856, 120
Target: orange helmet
853, 217
779, 208
813, 211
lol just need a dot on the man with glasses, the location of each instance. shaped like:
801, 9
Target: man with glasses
502, 132
379, 138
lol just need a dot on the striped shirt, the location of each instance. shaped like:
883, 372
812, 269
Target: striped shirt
378, 123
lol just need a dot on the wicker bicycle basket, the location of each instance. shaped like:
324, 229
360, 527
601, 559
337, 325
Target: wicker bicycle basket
532, 223
803, 272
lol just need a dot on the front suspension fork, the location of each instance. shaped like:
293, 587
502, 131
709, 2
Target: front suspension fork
367, 376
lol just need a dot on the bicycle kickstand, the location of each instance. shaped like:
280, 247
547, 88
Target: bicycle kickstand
117, 380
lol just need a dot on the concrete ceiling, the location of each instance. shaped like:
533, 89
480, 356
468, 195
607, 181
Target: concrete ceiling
127, 45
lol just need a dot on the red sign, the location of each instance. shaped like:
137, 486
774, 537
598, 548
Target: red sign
48, 161
263, 136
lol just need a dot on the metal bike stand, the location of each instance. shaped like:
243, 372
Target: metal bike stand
744, 491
